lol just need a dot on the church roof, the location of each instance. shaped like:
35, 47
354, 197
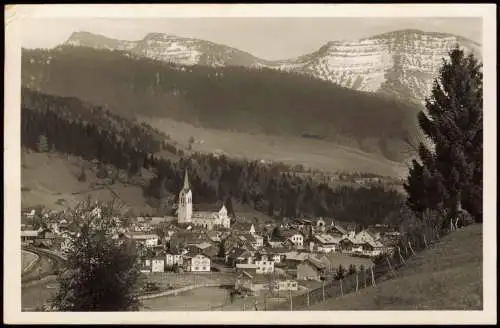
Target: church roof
186, 181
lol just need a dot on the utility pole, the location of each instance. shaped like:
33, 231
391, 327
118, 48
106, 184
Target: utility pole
323, 291
373, 277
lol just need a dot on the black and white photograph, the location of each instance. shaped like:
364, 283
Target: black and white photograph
214, 160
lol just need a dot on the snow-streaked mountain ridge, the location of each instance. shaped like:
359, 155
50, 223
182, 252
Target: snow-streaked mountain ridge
402, 63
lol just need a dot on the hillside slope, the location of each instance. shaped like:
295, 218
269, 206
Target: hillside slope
51, 180
447, 276
227, 98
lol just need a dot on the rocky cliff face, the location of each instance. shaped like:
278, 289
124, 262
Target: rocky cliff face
402, 63
170, 48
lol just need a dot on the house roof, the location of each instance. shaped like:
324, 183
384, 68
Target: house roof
375, 244
246, 266
141, 235
277, 250
208, 208
315, 262
289, 233
29, 233
203, 245
199, 256
235, 252
340, 229
243, 226
276, 239
296, 256
327, 239
364, 236
213, 234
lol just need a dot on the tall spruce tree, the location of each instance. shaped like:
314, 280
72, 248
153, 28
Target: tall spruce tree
448, 175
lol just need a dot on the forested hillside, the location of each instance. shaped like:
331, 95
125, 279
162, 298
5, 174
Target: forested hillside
70, 126
262, 101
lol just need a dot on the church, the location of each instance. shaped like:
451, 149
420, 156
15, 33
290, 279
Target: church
208, 220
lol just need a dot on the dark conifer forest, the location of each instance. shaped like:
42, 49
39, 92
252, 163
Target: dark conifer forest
263, 101
71, 126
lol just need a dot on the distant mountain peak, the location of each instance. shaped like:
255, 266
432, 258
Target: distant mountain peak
402, 62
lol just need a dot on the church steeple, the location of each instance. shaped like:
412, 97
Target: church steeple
185, 207
186, 181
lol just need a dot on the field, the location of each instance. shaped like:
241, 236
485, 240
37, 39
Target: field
52, 180
346, 261
314, 154
447, 276
165, 279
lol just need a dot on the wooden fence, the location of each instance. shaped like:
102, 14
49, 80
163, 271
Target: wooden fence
386, 267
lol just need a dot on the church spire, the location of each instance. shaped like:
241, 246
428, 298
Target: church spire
186, 181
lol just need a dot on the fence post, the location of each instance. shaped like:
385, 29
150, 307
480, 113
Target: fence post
411, 248
401, 256
341, 289
323, 289
244, 307
373, 278
291, 301
390, 266
308, 302
357, 282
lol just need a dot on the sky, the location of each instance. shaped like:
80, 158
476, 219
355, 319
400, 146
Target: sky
267, 38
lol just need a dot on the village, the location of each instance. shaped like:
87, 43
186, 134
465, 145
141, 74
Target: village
290, 255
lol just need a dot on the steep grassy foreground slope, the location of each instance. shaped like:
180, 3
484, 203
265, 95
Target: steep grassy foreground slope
448, 276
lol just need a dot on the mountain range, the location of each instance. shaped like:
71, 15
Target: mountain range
401, 63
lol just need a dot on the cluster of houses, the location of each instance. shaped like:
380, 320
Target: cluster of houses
264, 256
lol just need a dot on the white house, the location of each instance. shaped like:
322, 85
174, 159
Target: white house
148, 240
30, 214
286, 284
158, 264
200, 263
146, 265
173, 259
276, 258
264, 265
259, 241
28, 235
297, 239
326, 243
